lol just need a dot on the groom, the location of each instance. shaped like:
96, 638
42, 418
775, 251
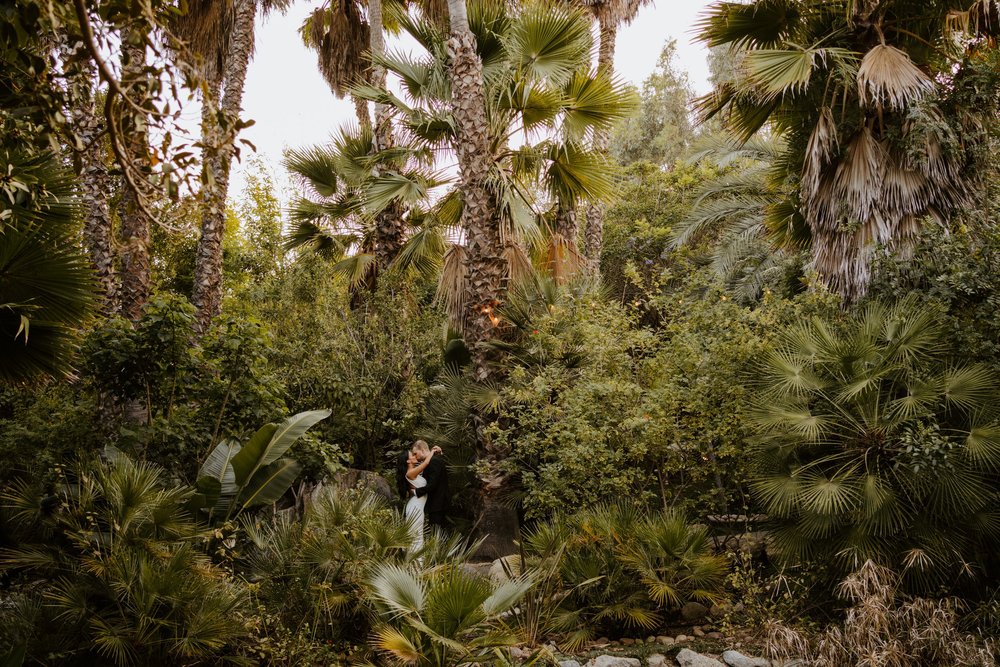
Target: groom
436, 490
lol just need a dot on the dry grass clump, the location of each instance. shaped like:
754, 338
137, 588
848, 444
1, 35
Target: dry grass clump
885, 629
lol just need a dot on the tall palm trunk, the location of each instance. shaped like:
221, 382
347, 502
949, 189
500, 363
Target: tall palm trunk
135, 267
95, 184
486, 268
207, 296
594, 231
390, 230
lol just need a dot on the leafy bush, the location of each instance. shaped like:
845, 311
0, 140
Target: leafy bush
876, 445
108, 568
370, 364
674, 400
622, 569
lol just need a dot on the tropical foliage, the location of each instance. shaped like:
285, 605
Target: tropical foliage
443, 616
876, 444
110, 568
862, 94
624, 570
746, 369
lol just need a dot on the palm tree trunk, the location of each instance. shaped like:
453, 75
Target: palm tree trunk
486, 268
135, 267
207, 296
95, 184
485, 265
594, 231
389, 226
361, 111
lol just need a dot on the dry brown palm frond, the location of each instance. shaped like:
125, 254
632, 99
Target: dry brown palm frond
204, 29
823, 142
453, 285
340, 36
884, 628
519, 266
888, 76
982, 18
616, 12
859, 175
563, 260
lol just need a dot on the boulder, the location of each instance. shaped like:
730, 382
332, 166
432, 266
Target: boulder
569, 663
500, 568
657, 660
737, 659
613, 661
688, 658
353, 478
694, 611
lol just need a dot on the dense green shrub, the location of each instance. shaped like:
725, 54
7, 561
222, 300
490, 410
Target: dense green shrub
370, 363
107, 567
876, 444
672, 422
621, 569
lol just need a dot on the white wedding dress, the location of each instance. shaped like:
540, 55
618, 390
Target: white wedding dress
414, 512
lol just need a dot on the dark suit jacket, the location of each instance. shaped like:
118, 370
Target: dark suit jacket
436, 474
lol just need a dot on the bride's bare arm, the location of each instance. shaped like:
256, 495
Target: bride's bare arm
419, 468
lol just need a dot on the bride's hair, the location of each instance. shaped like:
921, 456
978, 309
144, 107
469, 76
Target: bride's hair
402, 485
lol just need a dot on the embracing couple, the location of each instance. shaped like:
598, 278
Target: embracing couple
422, 479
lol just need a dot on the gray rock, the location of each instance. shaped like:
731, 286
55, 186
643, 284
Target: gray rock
737, 659
352, 478
694, 611
569, 663
688, 658
657, 660
613, 661
501, 566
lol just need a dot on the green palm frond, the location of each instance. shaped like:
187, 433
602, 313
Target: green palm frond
316, 166
594, 101
423, 252
548, 42
357, 268
759, 25
48, 287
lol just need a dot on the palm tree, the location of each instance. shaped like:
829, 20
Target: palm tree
135, 232
485, 266
339, 34
502, 72
609, 15
749, 216
444, 616
46, 281
222, 34
535, 79
117, 564
94, 181
875, 445
860, 93
351, 184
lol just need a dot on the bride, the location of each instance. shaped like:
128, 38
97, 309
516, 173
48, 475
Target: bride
414, 511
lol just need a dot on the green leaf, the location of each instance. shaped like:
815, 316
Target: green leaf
269, 483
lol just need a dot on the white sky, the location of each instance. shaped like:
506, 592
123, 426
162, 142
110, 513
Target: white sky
293, 106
